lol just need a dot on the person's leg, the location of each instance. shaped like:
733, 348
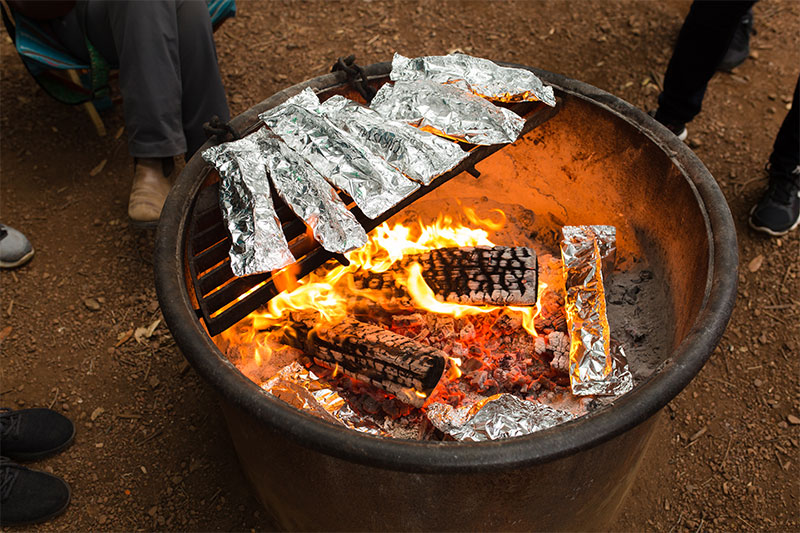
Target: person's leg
203, 95
778, 210
704, 38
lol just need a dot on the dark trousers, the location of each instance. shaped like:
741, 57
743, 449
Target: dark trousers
168, 72
705, 36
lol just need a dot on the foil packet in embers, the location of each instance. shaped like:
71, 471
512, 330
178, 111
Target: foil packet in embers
301, 388
311, 198
501, 416
418, 154
341, 158
257, 240
480, 76
597, 365
448, 111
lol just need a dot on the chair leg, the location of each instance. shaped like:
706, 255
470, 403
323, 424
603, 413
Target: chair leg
94, 116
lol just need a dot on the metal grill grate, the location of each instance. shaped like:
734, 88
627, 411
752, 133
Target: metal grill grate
224, 299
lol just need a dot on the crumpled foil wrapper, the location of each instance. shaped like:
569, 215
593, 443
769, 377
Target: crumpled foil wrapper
311, 198
345, 162
301, 388
418, 154
480, 76
448, 111
257, 240
597, 365
499, 417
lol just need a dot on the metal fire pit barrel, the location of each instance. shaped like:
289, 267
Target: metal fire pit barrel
598, 161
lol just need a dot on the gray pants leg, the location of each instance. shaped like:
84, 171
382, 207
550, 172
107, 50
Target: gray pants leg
168, 71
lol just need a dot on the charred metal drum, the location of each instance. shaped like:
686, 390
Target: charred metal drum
598, 161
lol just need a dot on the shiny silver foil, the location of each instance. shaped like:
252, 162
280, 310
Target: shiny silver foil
596, 365
257, 240
448, 111
341, 158
499, 417
418, 154
301, 388
481, 76
311, 198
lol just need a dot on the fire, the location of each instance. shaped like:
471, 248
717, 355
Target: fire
327, 293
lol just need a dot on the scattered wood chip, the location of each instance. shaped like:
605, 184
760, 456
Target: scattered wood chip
793, 420
91, 304
124, 337
699, 433
140, 334
153, 327
99, 168
96, 413
755, 263
5, 332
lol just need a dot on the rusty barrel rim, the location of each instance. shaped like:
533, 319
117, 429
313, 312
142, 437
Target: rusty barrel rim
436, 457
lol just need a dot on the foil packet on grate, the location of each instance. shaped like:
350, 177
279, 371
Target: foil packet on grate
597, 364
480, 76
341, 158
257, 240
418, 154
301, 388
311, 198
499, 417
448, 111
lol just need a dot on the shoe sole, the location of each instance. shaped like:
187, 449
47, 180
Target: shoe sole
19, 262
768, 231
23, 457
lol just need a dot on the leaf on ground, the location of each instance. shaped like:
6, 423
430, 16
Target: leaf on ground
5, 332
755, 263
99, 168
153, 327
140, 334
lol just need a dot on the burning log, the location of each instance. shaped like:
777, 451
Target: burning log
497, 275
395, 363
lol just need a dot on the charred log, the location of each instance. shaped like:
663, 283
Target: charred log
496, 275
395, 363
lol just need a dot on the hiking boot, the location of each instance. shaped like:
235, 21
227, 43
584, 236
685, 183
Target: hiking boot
30, 434
739, 48
15, 248
778, 211
151, 185
29, 496
678, 128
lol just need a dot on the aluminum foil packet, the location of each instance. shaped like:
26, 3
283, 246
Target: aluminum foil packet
448, 111
311, 198
257, 240
499, 417
345, 162
480, 76
597, 366
301, 388
418, 154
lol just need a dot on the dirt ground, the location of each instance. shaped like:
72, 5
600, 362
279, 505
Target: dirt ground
152, 450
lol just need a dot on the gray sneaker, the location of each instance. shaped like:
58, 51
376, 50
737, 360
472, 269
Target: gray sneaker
15, 248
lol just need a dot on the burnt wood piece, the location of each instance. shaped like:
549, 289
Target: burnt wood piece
390, 361
223, 299
488, 275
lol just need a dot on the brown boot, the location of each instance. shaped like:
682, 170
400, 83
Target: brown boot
151, 184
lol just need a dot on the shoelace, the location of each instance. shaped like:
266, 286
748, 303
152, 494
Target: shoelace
8, 475
782, 190
9, 422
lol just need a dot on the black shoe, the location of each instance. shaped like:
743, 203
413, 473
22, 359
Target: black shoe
778, 211
29, 496
739, 48
30, 434
678, 128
